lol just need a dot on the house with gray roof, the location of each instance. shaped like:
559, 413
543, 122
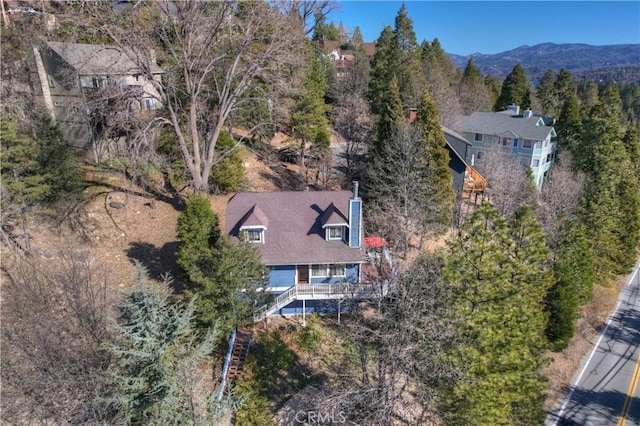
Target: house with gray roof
312, 241
85, 85
527, 136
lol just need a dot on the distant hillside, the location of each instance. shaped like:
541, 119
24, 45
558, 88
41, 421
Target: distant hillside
613, 62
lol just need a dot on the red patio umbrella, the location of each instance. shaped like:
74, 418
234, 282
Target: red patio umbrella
375, 241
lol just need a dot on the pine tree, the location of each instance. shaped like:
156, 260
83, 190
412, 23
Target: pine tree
497, 270
439, 180
569, 125
516, 90
391, 116
22, 175
474, 94
158, 357
226, 276
383, 65
546, 93
574, 277
410, 79
227, 175
611, 199
309, 119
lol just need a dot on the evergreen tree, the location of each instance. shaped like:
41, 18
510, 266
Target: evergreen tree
494, 87
611, 199
439, 180
22, 175
158, 358
383, 65
407, 73
569, 125
546, 93
574, 277
397, 56
226, 276
356, 38
515, 90
391, 116
441, 78
227, 175
564, 88
632, 144
309, 119
497, 270
474, 94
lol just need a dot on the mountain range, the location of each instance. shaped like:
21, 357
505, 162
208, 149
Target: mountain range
620, 62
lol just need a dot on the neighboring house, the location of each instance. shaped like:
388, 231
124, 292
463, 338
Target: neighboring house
467, 181
312, 241
82, 85
527, 136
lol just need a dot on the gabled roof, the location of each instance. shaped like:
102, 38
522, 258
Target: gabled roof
295, 233
254, 218
504, 124
95, 59
332, 216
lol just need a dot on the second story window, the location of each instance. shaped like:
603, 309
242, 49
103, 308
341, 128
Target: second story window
478, 137
253, 235
150, 103
527, 143
335, 233
506, 141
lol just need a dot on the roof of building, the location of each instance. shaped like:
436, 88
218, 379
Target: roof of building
95, 59
505, 124
294, 233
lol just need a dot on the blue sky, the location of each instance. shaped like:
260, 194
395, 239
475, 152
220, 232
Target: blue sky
465, 27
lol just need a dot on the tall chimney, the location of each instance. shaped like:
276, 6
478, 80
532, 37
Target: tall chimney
355, 218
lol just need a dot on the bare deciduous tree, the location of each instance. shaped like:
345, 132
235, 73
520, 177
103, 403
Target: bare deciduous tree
395, 188
54, 326
399, 367
508, 184
353, 121
212, 53
560, 198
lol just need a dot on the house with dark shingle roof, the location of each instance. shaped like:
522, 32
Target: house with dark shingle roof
312, 241
527, 136
80, 82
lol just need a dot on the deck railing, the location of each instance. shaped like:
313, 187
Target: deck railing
321, 292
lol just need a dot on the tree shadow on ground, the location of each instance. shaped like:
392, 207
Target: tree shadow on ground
285, 178
159, 262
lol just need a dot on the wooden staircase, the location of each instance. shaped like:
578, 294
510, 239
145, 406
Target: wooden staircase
239, 353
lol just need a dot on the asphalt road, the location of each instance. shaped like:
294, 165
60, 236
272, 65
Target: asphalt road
605, 389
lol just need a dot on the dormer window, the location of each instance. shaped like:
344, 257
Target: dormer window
253, 235
334, 233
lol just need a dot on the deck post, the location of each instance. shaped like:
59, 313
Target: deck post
304, 311
339, 301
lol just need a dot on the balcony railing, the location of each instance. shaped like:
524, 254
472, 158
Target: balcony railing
322, 292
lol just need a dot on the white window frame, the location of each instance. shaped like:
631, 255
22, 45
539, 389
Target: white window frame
526, 142
536, 163
150, 104
507, 142
325, 270
329, 229
247, 233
